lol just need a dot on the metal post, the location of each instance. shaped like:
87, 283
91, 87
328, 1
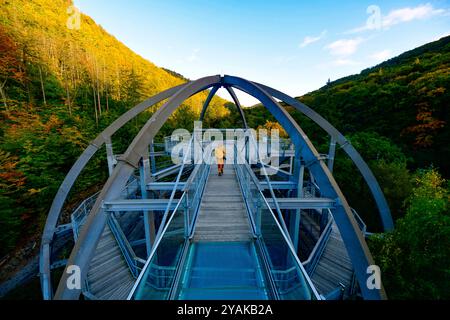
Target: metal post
149, 221
291, 160
186, 205
300, 178
331, 154
109, 155
152, 158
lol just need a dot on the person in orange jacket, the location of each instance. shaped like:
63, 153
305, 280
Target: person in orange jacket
220, 154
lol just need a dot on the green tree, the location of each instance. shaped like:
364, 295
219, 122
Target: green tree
388, 164
11, 181
415, 257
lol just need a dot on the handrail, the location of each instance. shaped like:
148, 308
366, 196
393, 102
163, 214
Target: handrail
360, 221
164, 226
311, 263
284, 235
189, 181
272, 193
154, 248
291, 248
172, 195
80, 213
130, 256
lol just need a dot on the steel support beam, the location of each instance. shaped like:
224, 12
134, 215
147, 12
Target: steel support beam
166, 172
149, 221
109, 155
211, 95
302, 203
331, 154
165, 186
138, 205
278, 185
238, 105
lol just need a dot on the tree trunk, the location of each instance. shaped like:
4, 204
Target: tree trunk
3, 94
107, 100
42, 86
98, 91
95, 104
68, 100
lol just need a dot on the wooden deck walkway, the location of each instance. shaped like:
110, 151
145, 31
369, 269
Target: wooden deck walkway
109, 277
334, 266
222, 215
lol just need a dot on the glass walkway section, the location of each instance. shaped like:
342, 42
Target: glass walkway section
235, 250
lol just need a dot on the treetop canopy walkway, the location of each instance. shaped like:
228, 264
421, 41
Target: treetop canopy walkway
162, 230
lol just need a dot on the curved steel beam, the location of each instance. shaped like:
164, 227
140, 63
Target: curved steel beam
238, 105
90, 234
351, 235
212, 93
233, 96
372, 183
69, 180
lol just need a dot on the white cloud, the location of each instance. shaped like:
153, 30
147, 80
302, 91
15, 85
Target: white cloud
344, 47
193, 56
311, 39
381, 55
409, 14
394, 17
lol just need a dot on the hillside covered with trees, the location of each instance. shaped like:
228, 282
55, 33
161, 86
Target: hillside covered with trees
396, 114
59, 87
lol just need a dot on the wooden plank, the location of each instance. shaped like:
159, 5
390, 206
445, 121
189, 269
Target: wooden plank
222, 215
109, 275
334, 266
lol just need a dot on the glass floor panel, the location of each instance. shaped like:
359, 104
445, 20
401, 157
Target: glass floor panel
223, 271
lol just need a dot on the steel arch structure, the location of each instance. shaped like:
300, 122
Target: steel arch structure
85, 246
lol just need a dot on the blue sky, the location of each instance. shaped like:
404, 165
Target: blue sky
292, 45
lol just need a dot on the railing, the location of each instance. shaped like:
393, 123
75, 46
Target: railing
336, 294
311, 263
158, 275
165, 255
285, 271
360, 222
134, 262
79, 215
194, 190
311, 190
240, 158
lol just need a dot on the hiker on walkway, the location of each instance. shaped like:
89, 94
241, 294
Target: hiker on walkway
220, 157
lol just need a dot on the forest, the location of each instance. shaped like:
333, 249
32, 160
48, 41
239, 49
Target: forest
396, 114
60, 87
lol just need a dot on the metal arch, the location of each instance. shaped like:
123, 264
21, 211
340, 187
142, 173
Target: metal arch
208, 101
233, 96
77, 168
238, 105
84, 248
351, 235
91, 232
372, 183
